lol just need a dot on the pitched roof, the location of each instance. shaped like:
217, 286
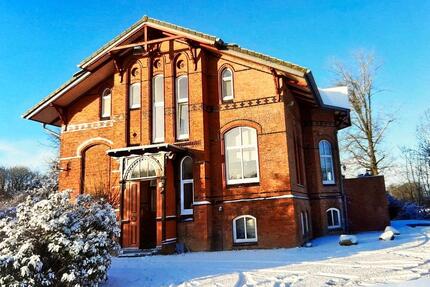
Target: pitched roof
78, 80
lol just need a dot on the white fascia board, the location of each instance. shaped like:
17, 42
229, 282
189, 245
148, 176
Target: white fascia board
59, 94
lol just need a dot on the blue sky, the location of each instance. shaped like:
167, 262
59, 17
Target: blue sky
42, 41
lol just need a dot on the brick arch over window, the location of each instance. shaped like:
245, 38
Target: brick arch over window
96, 170
181, 64
240, 123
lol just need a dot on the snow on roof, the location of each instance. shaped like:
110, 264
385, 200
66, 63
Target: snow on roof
335, 96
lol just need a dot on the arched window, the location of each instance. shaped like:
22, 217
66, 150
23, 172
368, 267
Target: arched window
241, 155
245, 229
134, 96
106, 104
333, 218
158, 109
142, 169
227, 90
187, 186
326, 159
182, 117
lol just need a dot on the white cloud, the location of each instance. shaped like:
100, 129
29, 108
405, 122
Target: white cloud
31, 153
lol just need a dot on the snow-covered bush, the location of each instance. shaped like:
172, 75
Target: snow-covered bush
57, 242
406, 210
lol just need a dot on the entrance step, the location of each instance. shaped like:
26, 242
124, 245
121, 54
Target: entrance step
138, 252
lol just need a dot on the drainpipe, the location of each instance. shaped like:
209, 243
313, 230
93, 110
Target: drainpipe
51, 132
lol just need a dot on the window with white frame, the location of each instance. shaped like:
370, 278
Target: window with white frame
106, 104
182, 117
227, 90
245, 229
326, 159
187, 186
158, 109
333, 218
134, 96
241, 155
302, 220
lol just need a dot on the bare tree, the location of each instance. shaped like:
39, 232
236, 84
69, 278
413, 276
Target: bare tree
417, 164
362, 141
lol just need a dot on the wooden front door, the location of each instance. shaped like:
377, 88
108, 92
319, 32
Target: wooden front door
131, 216
147, 214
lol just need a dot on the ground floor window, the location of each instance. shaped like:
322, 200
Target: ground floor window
304, 218
333, 218
245, 229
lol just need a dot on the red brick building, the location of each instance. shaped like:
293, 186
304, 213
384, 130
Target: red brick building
199, 142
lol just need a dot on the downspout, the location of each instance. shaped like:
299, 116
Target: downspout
51, 132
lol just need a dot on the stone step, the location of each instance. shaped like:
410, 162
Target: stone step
138, 252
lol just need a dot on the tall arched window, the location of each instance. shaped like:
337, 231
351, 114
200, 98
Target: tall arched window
106, 104
326, 159
245, 229
134, 96
187, 186
333, 218
158, 109
241, 155
182, 117
227, 90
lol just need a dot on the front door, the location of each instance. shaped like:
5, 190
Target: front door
131, 216
147, 214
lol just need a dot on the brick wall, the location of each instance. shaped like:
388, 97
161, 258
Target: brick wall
366, 203
286, 134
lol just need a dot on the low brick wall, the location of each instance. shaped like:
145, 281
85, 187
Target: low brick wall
367, 205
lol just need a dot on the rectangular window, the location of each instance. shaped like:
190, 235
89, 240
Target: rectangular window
158, 109
134, 97
182, 114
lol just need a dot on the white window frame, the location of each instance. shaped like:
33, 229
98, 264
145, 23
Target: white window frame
302, 219
324, 156
179, 101
154, 106
184, 211
332, 211
132, 105
246, 240
223, 79
107, 94
241, 147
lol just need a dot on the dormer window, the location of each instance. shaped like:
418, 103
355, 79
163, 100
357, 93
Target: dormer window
227, 85
106, 104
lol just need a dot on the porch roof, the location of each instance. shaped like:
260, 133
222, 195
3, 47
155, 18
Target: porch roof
139, 150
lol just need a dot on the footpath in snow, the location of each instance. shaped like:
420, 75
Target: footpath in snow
371, 262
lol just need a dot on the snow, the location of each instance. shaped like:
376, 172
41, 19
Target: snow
335, 96
371, 262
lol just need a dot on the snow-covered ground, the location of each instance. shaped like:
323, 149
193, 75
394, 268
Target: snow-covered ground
371, 262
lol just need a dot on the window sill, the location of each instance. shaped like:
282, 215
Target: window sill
104, 118
133, 108
329, 183
242, 184
245, 243
186, 218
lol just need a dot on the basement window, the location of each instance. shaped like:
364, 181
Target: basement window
245, 229
333, 218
